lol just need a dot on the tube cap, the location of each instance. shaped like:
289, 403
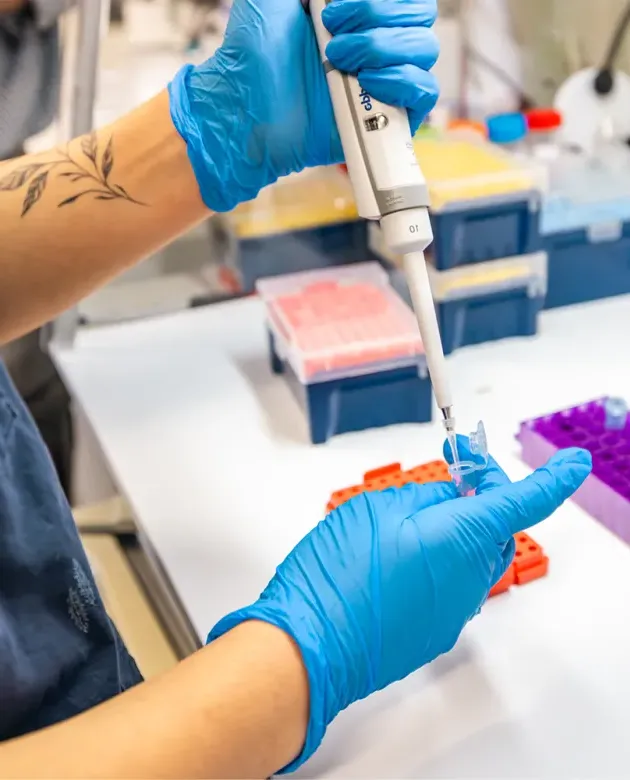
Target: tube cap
463, 475
616, 414
541, 120
468, 126
506, 128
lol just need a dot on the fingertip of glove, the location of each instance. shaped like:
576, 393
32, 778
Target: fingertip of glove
553, 483
573, 455
572, 466
333, 16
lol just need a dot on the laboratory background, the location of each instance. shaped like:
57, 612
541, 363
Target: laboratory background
271, 358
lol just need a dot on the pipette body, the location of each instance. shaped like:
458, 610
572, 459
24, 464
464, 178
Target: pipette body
389, 187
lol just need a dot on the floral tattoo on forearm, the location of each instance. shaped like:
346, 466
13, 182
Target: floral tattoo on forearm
92, 178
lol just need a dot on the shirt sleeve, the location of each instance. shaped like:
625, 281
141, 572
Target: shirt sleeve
47, 12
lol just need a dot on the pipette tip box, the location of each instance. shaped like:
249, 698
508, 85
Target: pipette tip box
530, 562
349, 347
475, 233
485, 202
585, 226
487, 301
302, 222
588, 264
606, 492
313, 248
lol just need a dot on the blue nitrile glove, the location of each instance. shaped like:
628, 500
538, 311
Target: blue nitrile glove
260, 109
388, 580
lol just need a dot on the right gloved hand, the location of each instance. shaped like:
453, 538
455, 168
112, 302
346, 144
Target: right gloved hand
260, 108
388, 580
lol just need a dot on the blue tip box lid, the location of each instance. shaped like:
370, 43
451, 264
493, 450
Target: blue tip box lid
506, 128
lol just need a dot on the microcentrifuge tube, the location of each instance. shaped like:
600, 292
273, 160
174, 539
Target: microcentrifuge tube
616, 411
462, 472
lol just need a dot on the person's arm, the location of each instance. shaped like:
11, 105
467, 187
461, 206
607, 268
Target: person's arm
11, 6
74, 217
382, 586
237, 708
44, 12
257, 110
47, 12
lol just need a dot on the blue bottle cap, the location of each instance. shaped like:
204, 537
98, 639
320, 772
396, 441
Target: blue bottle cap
506, 128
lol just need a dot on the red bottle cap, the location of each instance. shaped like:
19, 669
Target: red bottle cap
543, 119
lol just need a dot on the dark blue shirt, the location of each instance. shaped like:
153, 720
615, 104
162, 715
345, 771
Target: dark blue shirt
59, 652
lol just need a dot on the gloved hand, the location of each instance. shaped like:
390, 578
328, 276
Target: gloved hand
260, 109
388, 580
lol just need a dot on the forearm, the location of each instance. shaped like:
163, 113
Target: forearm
10, 6
47, 12
73, 218
237, 708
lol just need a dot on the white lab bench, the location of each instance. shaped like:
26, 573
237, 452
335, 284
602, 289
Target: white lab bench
210, 449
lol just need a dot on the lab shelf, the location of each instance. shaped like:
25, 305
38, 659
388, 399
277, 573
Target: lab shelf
606, 492
589, 264
530, 562
357, 402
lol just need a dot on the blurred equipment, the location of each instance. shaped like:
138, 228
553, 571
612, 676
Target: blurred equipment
595, 104
517, 55
592, 119
605, 79
449, 68
203, 21
555, 39
507, 130
29, 71
492, 63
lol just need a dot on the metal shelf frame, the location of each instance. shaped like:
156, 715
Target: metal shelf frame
91, 15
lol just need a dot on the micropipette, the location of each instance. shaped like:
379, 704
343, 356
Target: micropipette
389, 186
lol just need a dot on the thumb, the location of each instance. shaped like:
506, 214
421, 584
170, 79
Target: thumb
520, 505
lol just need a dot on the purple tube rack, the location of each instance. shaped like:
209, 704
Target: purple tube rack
606, 493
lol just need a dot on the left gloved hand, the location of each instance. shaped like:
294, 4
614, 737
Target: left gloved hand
388, 580
260, 109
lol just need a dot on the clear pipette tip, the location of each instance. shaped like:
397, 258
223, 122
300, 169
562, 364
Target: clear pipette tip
449, 425
462, 471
